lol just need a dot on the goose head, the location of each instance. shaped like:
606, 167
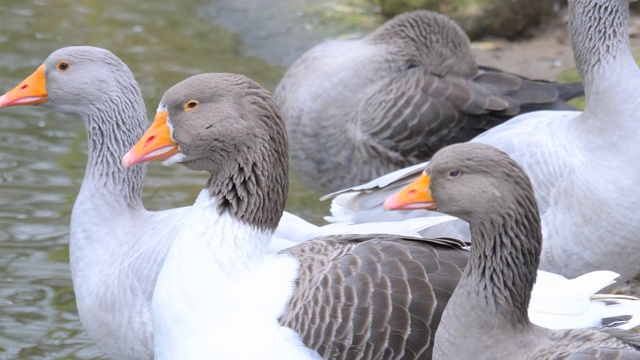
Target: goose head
229, 126
467, 180
76, 80
425, 38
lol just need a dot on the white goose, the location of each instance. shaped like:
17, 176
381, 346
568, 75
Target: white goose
347, 296
568, 154
116, 245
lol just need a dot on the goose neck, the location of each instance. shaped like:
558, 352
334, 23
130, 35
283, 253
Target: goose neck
502, 267
110, 133
253, 189
599, 36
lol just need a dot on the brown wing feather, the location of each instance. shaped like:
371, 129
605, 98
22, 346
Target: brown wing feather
372, 297
591, 345
432, 108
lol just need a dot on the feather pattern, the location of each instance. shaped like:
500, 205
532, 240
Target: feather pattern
117, 247
377, 297
567, 154
359, 108
355, 296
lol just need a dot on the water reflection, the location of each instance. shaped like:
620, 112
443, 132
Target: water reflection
43, 154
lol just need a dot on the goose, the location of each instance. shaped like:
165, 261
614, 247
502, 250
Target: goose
113, 256
359, 108
567, 154
338, 296
117, 246
488, 309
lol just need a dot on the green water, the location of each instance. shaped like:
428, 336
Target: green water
43, 154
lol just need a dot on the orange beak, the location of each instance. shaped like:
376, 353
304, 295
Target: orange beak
31, 91
155, 144
414, 196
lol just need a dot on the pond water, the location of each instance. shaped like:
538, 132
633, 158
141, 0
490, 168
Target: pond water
43, 154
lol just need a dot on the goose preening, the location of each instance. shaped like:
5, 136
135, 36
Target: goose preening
359, 108
339, 297
584, 166
116, 245
486, 317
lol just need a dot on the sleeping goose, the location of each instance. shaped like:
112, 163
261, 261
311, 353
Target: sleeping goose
568, 154
340, 296
116, 245
359, 108
486, 317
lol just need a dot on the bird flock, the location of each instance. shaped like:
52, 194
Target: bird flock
475, 213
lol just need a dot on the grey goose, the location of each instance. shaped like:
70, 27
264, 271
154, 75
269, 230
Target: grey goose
117, 246
221, 294
359, 108
567, 155
486, 317
114, 258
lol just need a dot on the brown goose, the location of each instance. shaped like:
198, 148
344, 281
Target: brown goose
359, 108
355, 296
487, 314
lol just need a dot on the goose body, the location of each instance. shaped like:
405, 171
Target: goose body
116, 246
567, 154
488, 309
231, 295
337, 296
359, 108
194, 292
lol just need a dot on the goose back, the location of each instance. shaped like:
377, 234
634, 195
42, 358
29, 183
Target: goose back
372, 297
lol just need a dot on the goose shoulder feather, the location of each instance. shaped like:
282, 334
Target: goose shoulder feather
370, 297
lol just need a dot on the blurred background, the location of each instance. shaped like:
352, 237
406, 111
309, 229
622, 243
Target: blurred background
43, 154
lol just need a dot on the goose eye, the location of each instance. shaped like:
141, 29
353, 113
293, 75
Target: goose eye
191, 105
455, 173
63, 66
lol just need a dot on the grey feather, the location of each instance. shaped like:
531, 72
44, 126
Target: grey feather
359, 108
356, 296
488, 309
386, 294
575, 159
